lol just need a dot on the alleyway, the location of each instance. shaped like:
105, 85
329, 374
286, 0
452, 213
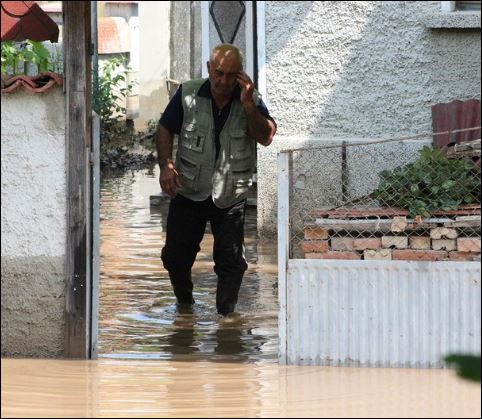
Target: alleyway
138, 318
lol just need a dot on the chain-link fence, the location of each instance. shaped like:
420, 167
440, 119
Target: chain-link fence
396, 199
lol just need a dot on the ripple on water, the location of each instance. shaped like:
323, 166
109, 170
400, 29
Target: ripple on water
138, 316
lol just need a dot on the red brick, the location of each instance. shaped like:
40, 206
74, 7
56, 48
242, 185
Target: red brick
399, 224
313, 255
461, 256
364, 244
397, 242
421, 243
316, 233
468, 244
358, 213
382, 254
430, 255
444, 244
314, 246
340, 255
443, 233
341, 243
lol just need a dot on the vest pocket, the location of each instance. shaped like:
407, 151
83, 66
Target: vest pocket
240, 145
189, 172
193, 141
242, 180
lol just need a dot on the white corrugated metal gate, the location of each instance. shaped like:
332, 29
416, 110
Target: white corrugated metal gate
385, 313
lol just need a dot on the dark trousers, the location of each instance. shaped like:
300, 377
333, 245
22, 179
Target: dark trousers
186, 223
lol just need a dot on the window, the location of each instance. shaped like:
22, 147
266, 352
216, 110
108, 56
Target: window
467, 5
455, 15
452, 6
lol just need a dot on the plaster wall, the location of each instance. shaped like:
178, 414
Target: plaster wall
33, 221
154, 60
352, 70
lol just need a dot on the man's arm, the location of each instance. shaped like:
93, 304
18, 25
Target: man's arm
262, 129
169, 177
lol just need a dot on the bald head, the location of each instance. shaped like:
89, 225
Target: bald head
224, 66
227, 53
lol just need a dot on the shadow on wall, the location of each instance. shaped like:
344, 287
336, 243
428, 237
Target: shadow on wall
151, 105
357, 70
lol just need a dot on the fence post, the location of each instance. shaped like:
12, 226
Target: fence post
283, 250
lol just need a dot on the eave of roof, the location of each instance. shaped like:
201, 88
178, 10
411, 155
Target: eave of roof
23, 20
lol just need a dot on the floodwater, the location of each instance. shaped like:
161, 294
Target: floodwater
146, 388
138, 317
154, 362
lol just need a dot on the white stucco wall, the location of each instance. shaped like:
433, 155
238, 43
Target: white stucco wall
33, 227
356, 70
33, 174
154, 60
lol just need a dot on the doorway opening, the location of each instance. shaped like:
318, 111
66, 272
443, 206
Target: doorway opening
137, 316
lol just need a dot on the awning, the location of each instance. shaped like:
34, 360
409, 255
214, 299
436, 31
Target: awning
23, 20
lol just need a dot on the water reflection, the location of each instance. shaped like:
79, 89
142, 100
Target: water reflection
139, 388
138, 316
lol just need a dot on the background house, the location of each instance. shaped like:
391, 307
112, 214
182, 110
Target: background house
138, 31
361, 70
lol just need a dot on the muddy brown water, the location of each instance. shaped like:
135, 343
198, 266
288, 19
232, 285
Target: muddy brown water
147, 388
138, 318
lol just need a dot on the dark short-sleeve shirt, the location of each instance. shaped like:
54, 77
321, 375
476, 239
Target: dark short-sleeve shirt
173, 115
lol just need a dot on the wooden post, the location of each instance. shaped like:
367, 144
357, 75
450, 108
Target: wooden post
77, 75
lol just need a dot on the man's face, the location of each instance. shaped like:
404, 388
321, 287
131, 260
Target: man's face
223, 70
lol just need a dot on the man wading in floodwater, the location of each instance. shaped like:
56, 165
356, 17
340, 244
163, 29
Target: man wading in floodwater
218, 120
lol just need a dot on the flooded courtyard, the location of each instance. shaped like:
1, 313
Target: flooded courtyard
138, 317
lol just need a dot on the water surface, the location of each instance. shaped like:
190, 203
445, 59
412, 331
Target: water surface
138, 317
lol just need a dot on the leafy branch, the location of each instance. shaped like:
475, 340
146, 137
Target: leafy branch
18, 53
113, 89
430, 184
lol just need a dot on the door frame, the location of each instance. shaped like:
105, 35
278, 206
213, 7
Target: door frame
83, 171
77, 47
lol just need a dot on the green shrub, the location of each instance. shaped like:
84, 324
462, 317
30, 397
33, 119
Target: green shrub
112, 89
19, 53
430, 184
467, 366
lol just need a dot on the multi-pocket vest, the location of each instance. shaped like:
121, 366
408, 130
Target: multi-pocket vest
228, 178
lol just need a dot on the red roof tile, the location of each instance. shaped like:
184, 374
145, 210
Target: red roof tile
36, 84
23, 20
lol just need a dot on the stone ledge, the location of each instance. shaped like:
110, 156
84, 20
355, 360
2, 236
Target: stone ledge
453, 20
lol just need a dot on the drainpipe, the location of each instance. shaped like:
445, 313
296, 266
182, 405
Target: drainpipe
95, 57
